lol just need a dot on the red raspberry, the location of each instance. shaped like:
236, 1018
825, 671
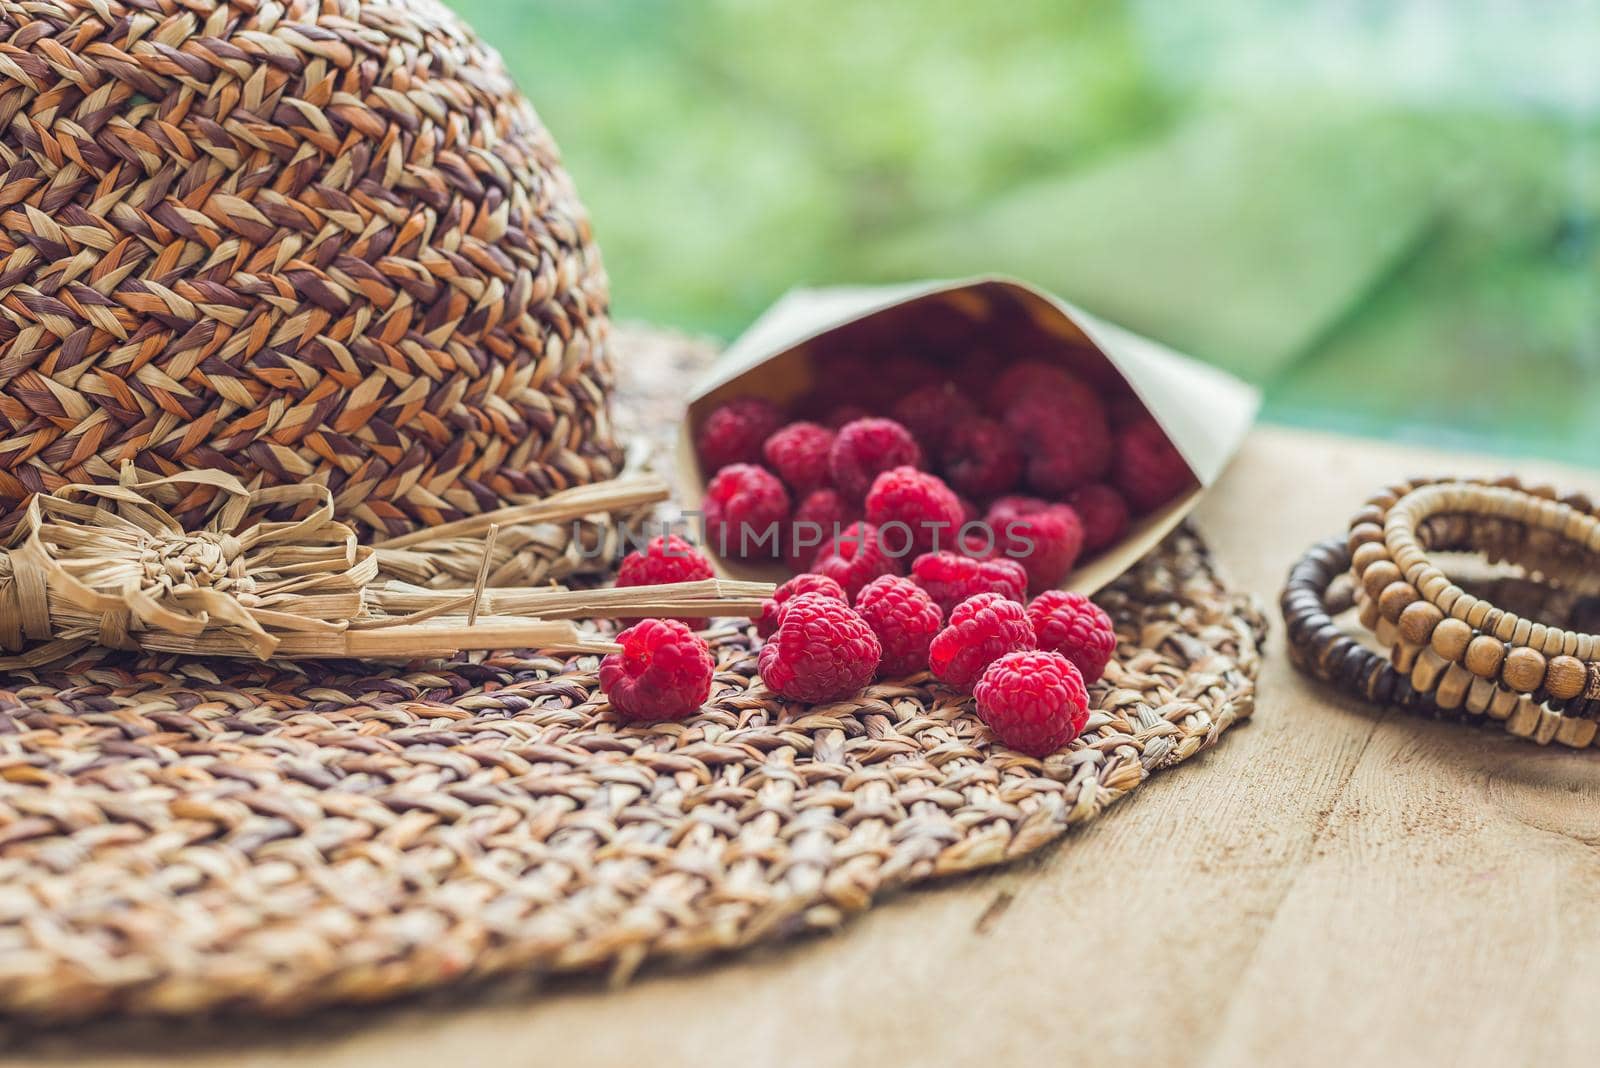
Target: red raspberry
1066, 447
950, 578
865, 449
746, 510
931, 411
821, 651
1013, 506
666, 559
1040, 378
1120, 411
981, 458
733, 432
1045, 543
1148, 468
663, 671
1103, 513
979, 544
904, 618
799, 454
1034, 703
926, 511
982, 629
772, 607
1077, 628
855, 558
821, 517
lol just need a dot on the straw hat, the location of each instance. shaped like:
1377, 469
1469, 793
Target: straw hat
301, 242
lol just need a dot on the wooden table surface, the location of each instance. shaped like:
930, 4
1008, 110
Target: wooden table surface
1348, 886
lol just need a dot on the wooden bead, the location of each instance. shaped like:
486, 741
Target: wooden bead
1524, 718
1450, 639
1453, 686
1378, 575
1578, 733
1394, 599
1591, 689
1366, 555
1524, 670
1481, 695
1427, 670
1368, 613
1417, 622
1565, 677
1549, 723
1362, 533
1369, 513
1504, 703
1484, 656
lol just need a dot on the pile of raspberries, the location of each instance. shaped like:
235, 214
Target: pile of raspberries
1048, 470
1027, 663
928, 522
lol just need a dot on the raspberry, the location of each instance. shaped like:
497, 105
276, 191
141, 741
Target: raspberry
1042, 379
931, 411
663, 671
927, 511
950, 578
1066, 447
772, 607
821, 651
1120, 411
746, 509
855, 557
799, 454
1035, 703
978, 544
1077, 628
1045, 543
981, 458
821, 517
1148, 468
733, 432
982, 629
904, 618
865, 449
1103, 513
666, 559
1014, 505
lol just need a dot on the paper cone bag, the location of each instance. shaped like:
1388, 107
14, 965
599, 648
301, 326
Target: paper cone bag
855, 343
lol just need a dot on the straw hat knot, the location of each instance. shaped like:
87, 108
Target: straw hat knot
182, 563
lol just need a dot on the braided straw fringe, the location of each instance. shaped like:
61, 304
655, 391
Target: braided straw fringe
298, 242
113, 566
293, 836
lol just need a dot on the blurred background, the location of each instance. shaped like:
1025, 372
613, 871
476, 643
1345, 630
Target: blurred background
1386, 212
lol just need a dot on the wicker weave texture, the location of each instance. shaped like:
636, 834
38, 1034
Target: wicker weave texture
174, 842
321, 240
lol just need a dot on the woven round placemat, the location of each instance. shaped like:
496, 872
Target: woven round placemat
181, 836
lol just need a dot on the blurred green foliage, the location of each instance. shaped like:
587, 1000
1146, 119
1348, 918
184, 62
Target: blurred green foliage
1385, 213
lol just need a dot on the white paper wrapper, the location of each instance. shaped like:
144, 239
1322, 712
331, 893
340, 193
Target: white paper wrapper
1205, 412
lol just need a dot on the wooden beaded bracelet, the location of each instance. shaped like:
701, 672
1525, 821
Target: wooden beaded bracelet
1319, 646
1459, 640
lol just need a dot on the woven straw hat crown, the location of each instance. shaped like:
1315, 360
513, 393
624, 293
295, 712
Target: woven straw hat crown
304, 241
